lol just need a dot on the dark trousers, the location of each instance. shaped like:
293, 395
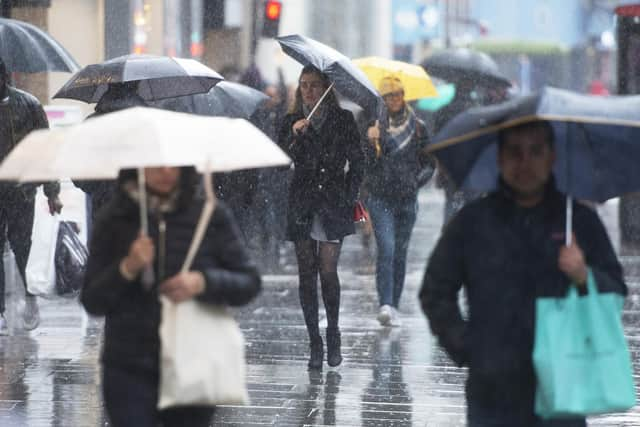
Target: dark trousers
16, 222
392, 223
131, 396
481, 416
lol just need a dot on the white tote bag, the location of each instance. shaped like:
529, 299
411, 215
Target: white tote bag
41, 270
201, 356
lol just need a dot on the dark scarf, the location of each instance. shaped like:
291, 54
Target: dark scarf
319, 117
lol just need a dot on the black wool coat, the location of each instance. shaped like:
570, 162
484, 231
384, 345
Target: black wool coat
329, 166
133, 313
505, 256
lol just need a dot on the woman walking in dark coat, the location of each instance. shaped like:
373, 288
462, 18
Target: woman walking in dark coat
221, 274
328, 163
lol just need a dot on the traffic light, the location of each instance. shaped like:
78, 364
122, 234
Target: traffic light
271, 18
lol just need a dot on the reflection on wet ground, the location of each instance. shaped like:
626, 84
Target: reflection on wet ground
390, 377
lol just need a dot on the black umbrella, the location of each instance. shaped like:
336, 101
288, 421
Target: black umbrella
226, 99
158, 77
454, 65
25, 48
597, 142
348, 79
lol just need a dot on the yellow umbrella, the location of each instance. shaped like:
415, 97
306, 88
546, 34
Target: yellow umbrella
417, 83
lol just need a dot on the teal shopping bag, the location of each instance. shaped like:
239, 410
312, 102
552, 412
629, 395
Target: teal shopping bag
580, 355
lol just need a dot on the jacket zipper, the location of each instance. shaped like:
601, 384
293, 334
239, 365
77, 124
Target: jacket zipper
162, 247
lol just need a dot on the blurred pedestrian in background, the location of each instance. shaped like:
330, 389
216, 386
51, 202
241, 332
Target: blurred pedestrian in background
20, 113
119, 96
398, 169
270, 197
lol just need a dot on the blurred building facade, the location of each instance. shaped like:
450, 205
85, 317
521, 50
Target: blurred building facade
567, 43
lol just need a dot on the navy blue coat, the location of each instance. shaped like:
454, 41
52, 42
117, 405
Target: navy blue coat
320, 183
505, 256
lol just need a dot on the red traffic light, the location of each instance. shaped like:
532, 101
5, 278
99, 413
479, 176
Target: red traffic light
272, 10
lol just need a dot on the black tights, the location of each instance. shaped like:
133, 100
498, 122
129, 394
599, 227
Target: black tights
318, 257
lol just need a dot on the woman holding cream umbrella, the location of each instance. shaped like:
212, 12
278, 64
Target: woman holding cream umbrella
149, 224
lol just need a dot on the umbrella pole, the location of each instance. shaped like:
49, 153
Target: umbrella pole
147, 273
142, 192
568, 232
203, 221
324, 95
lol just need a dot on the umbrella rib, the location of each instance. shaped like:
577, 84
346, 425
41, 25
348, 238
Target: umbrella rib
34, 45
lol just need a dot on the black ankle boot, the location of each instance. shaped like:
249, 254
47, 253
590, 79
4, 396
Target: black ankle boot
334, 357
317, 354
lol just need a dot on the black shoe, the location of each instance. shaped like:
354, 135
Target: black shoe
334, 357
317, 354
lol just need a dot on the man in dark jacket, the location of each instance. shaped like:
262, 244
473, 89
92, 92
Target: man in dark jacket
20, 113
506, 249
119, 96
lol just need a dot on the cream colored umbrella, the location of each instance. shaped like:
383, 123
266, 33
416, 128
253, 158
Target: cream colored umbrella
141, 137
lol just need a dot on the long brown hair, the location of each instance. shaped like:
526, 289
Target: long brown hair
331, 98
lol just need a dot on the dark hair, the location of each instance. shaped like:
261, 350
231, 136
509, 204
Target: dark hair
532, 126
188, 183
331, 98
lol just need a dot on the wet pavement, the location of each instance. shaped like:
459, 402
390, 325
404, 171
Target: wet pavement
390, 376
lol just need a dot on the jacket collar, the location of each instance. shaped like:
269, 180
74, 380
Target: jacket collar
551, 205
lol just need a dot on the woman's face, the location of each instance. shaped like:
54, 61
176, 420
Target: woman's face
311, 89
394, 101
162, 181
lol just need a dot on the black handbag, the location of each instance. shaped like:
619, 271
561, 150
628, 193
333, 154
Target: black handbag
70, 261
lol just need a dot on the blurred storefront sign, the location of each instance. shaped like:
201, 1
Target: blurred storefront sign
414, 20
63, 115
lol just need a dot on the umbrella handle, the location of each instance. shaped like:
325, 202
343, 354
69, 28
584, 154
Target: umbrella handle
324, 95
203, 221
147, 273
568, 232
142, 192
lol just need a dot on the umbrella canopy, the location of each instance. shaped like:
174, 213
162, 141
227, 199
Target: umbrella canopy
159, 77
347, 78
417, 83
596, 142
446, 93
454, 65
26, 48
226, 99
36, 158
141, 137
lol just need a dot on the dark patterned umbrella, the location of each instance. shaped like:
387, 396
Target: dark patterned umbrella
25, 48
454, 65
226, 99
157, 77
